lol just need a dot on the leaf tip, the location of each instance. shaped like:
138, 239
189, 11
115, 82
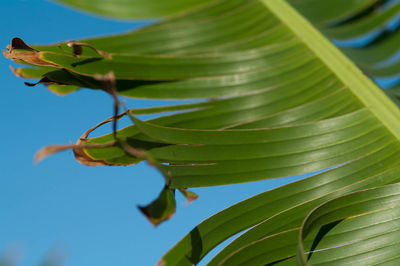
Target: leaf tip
145, 210
49, 150
161, 209
19, 50
16, 72
189, 195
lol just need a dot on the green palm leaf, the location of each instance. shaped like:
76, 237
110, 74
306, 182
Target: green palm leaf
276, 99
134, 8
363, 228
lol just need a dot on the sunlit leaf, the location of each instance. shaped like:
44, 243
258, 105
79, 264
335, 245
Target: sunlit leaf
275, 98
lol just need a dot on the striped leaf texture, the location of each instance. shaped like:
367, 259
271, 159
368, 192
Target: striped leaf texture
282, 88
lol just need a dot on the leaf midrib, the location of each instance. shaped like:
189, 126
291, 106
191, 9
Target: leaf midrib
345, 70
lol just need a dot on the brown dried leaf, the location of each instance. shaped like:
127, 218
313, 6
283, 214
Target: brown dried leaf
49, 150
77, 49
80, 153
19, 50
18, 43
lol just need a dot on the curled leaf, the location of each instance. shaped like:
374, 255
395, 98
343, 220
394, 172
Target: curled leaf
44, 80
162, 208
59, 81
77, 49
79, 151
19, 50
18, 43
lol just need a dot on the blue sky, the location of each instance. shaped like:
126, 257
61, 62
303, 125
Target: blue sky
86, 214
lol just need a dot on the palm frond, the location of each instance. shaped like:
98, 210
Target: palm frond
276, 99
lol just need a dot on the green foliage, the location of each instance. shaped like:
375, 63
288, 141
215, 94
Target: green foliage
277, 99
